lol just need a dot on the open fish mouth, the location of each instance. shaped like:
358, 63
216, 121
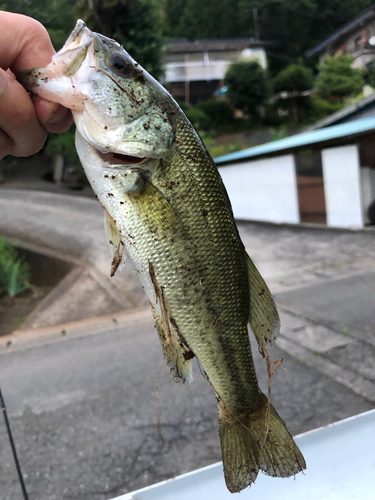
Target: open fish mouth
119, 159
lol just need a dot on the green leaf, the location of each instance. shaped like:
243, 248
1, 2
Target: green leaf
14, 272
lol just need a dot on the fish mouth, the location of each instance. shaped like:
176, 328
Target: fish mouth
119, 159
81, 35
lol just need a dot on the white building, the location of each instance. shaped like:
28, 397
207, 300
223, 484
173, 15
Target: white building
195, 70
324, 176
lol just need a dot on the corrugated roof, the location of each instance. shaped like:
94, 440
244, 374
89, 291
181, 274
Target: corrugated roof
305, 139
215, 45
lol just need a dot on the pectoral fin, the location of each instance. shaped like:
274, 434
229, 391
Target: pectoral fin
263, 317
114, 240
152, 206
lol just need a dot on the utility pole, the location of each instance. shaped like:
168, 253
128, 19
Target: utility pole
256, 24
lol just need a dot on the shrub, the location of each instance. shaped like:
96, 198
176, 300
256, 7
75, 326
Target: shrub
247, 86
338, 80
370, 78
219, 112
320, 108
63, 144
294, 78
182, 104
199, 118
279, 133
14, 272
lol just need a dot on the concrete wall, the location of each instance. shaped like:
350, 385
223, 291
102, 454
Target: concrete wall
342, 186
263, 190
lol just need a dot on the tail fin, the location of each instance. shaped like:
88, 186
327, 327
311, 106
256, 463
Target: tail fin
245, 451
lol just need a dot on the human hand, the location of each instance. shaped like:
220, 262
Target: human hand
25, 119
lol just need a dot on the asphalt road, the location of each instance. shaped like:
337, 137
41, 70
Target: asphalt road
347, 304
83, 407
85, 418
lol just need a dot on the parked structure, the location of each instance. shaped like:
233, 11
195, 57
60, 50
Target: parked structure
355, 38
324, 176
195, 70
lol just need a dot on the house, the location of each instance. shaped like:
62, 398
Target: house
194, 71
324, 176
356, 38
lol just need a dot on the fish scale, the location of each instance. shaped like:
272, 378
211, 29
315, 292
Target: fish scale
231, 285
167, 209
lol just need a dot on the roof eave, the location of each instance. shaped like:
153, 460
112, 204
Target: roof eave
347, 28
337, 134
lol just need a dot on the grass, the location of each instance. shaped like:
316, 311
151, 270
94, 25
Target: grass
14, 271
15, 310
214, 147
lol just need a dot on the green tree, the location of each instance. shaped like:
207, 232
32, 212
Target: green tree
135, 24
247, 86
295, 26
292, 26
286, 24
195, 19
58, 16
338, 80
295, 80
173, 11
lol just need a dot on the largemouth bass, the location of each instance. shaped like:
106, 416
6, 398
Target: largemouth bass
167, 209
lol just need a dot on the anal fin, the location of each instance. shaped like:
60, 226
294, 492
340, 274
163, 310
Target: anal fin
175, 348
263, 317
177, 354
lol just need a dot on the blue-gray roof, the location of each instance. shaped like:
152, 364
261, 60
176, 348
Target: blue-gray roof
306, 139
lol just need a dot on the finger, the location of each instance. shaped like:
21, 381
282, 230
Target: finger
18, 119
27, 43
31, 47
53, 117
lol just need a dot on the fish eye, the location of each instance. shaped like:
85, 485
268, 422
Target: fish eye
120, 63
